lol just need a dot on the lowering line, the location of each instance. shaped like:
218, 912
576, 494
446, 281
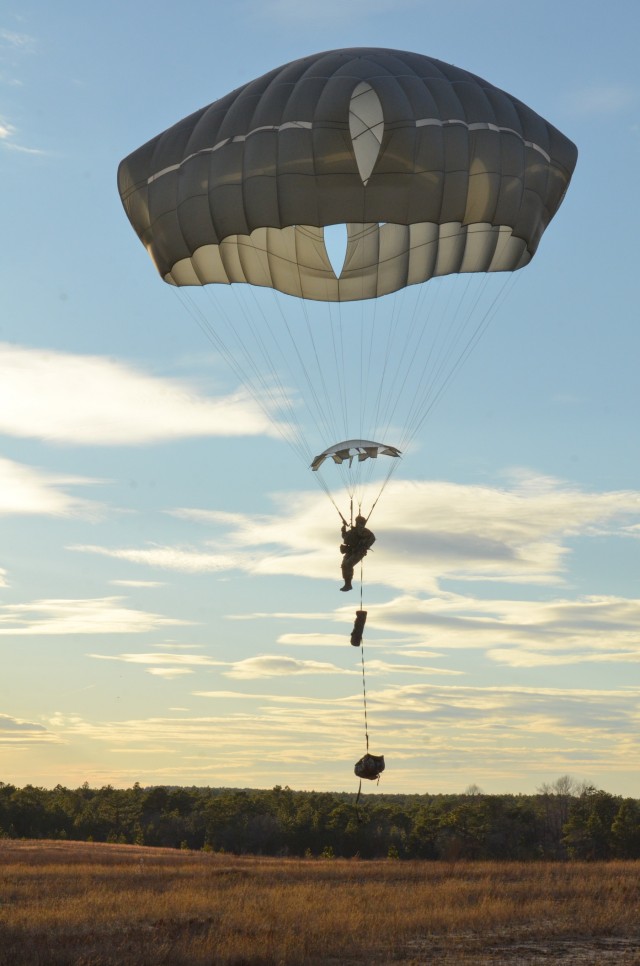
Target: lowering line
358, 628
369, 766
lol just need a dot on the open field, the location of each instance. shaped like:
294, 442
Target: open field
114, 905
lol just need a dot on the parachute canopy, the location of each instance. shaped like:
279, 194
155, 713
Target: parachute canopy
428, 170
351, 449
433, 170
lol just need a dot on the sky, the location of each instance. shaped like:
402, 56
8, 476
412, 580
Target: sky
169, 570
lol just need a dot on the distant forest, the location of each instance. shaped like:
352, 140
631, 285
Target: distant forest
561, 821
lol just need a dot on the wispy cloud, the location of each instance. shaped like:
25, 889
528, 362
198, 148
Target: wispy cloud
170, 672
27, 490
313, 639
183, 559
14, 731
275, 666
16, 40
262, 666
430, 533
461, 731
8, 141
376, 667
107, 615
512, 632
288, 11
6, 131
436, 531
519, 633
14, 45
253, 668
603, 100
91, 400
178, 660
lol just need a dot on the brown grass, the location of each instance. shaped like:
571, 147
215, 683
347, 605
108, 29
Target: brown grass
110, 905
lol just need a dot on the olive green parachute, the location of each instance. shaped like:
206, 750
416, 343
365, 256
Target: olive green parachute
433, 170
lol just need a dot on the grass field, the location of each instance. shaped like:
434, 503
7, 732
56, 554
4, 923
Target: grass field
115, 905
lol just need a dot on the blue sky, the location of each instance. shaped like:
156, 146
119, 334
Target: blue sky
169, 570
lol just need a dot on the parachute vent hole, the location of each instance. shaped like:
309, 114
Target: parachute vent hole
335, 243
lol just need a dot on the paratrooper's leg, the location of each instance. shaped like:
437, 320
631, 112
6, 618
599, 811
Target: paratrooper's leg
347, 572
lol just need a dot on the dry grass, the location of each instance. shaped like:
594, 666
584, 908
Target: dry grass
109, 905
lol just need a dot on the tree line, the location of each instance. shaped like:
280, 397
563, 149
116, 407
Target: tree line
560, 821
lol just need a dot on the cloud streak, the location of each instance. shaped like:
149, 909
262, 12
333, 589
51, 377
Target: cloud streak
277, 666
13, 46
182, 559
14, 731
260, 667
287, 11
461, 731
25, 490
432, 531
603, 100
93, 401
251, 668
105, 615
16, 40
520, 633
